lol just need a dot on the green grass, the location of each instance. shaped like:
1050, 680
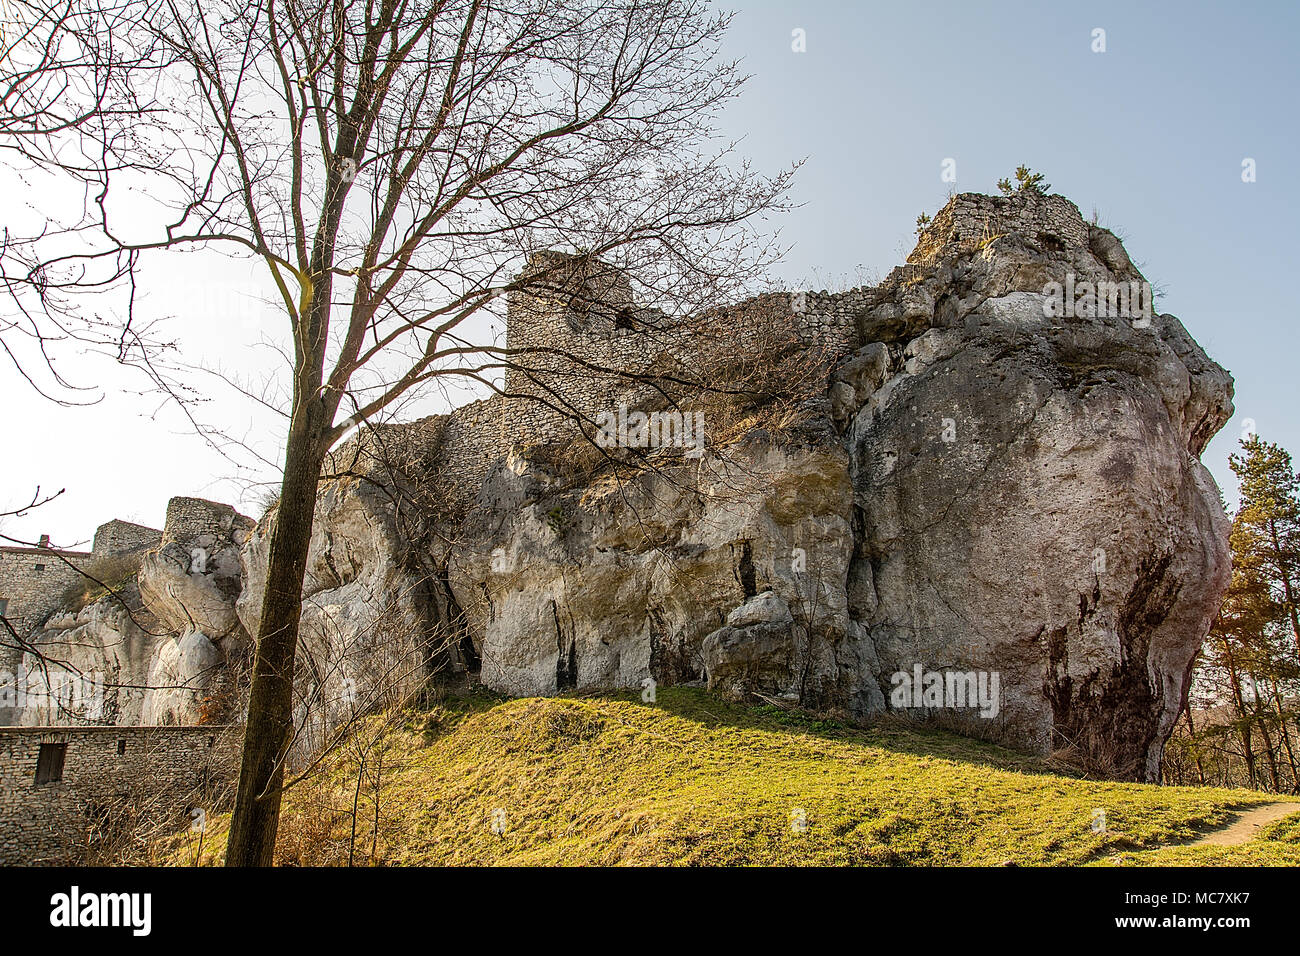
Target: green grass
694, 780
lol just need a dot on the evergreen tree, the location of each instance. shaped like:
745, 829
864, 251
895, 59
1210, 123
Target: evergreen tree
1241, 726
1266, 532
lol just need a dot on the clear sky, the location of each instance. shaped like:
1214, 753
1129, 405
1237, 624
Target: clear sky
1151, 133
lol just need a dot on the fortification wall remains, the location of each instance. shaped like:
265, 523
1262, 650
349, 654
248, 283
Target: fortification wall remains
190, 518
159, 773
973, 217
586, 357
32, 583
473, 437
120, 537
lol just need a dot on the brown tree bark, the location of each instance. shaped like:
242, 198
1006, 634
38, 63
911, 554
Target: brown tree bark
1286, 737
1191, 734
270, 707
1243, 716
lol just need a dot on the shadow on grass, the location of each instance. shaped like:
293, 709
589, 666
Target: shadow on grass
890, 732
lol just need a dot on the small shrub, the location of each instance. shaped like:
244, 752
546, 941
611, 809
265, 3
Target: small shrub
312, 830
1027, 181
100, 577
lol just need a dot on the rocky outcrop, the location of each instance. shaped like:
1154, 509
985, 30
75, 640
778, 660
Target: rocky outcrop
115, 663
612, 583
1001, 486
191, 582
1028, 494
991, 516
374, 621
91, 666
164, 649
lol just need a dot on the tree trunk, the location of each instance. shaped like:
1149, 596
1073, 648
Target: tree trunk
1288, 592
1243, 717
1196, 753
1286, 737
270, 705
1262, 718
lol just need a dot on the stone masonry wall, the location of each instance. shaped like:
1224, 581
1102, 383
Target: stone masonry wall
162, 773
972, 217
583, 351
189, 518
118, 537
473, 437
32, 582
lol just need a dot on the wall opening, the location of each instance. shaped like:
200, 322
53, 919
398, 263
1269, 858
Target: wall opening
49, 763
121, 747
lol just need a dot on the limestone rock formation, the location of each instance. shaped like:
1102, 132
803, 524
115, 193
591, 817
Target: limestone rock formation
163, 648
1013, 488
614, 583
1028, 492
91, 666
996, 488
373, 623
191, 582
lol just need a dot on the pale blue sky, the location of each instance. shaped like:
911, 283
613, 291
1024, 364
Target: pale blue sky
1151, 133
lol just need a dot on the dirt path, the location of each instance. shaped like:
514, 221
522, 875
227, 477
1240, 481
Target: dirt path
1242, 827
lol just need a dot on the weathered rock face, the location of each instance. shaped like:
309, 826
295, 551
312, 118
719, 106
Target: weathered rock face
1029, 499
374, 618
160, 652
660, 577
99, 660
191, 582
115, 663
1012, 498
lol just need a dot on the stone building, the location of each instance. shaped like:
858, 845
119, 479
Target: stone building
65, 789
118, 537
579, 344
34, 581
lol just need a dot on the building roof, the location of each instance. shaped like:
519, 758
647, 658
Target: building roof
7, 549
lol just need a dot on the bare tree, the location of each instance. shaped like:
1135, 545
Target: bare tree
393, 164
63, 70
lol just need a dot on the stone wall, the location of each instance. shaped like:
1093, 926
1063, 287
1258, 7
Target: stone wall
189, 518
32, 584
586, 311
585, 359
473, 437
117, 537
159, 773
33, 581
972, 217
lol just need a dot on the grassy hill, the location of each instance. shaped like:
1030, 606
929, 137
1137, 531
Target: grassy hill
691, 779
